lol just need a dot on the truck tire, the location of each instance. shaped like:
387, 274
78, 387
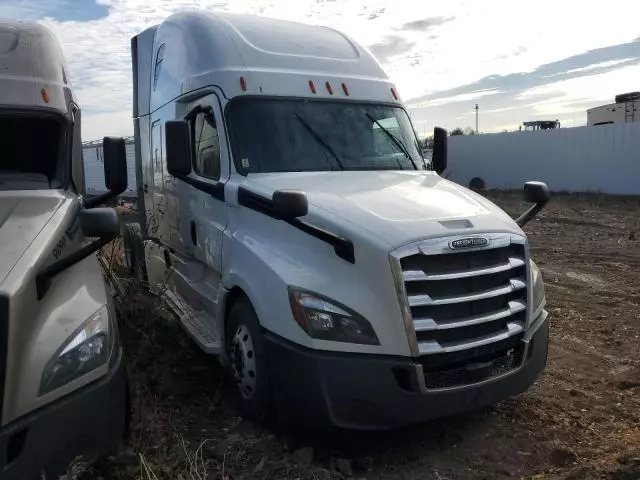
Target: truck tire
134, 251
246, 351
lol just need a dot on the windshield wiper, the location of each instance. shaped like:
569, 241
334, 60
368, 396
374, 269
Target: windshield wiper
320, 140
398, 143
419, 150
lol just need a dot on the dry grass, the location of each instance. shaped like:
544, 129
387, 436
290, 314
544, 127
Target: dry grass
75, 471
580, 421
152, 453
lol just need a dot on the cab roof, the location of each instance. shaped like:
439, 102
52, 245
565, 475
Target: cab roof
33, 70
196, 49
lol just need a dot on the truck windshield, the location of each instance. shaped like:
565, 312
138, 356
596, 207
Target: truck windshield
31, 157
298, 135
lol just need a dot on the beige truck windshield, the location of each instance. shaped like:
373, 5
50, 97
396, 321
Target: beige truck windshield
31, 153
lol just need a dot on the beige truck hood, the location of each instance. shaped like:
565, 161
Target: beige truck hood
23, 215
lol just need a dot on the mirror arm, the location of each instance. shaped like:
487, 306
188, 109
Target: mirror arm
100, 199
529, 214
43, 279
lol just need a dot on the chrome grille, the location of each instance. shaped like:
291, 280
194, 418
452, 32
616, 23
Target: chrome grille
461, 299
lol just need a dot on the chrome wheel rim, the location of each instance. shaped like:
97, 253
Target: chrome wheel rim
243, 361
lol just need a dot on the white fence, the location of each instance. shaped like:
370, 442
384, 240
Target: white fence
601, 159
94, 169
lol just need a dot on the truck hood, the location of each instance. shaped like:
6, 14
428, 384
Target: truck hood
397, 207
22, 216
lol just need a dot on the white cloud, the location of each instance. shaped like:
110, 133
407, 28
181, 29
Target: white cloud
595, 66
499, 110
463, 97
559, 96
98, 125
479, 38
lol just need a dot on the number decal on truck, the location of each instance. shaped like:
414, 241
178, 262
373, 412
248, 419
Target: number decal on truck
59, 248
75, 224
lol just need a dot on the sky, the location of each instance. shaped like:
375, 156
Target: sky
519, 61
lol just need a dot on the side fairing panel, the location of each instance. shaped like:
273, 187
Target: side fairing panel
263, 256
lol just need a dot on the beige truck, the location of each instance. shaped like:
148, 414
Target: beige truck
63, 389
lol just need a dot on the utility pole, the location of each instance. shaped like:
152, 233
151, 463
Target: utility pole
477, 119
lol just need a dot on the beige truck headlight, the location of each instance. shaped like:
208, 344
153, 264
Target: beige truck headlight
86, 349
538, 295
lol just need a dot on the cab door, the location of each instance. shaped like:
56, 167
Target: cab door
203, 213
209, 215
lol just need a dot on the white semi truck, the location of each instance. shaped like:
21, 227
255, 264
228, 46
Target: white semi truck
291, 222
63, 389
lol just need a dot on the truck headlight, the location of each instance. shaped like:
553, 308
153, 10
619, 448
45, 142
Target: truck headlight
324, 320
538, 296
86, 349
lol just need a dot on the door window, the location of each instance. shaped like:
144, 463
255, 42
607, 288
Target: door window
158, 66
206, 145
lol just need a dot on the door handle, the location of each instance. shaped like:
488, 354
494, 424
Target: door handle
146, 188
194, 234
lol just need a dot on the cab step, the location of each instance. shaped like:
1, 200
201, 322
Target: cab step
195, 323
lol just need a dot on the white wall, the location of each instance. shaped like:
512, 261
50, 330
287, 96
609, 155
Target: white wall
94, 170
604, 159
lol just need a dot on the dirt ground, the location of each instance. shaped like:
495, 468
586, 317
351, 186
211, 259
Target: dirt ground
581, 420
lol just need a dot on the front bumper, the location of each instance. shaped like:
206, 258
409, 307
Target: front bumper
88, 423
319, 389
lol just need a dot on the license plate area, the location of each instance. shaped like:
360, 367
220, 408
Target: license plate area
474, 367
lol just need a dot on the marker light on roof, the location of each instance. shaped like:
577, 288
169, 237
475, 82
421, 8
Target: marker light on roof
394, 93
329, 89
312, 86
243, 84
45, 95
345, 89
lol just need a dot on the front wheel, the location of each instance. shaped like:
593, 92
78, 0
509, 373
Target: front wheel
134, 252
248, 363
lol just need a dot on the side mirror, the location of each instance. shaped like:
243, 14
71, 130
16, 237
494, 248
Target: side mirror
178, 147
115, 164
439, 157
534, 192
99, 222
290, 204
115, 170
